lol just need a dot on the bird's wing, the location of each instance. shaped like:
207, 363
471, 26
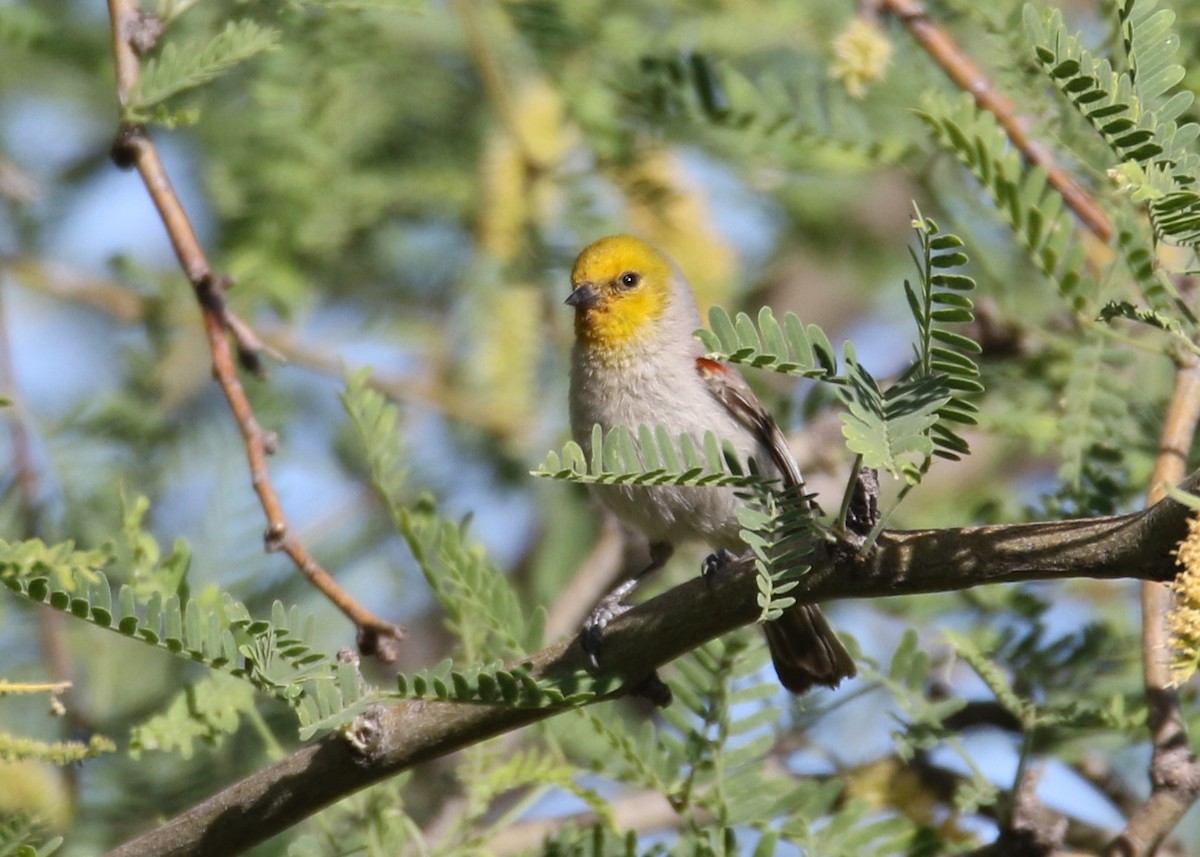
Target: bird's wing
732, 391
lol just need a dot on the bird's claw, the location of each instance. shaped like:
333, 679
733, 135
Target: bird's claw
591, 637
714, 564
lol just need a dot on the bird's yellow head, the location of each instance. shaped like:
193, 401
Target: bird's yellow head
621, 286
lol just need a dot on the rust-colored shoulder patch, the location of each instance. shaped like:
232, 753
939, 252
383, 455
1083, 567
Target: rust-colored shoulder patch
709, 368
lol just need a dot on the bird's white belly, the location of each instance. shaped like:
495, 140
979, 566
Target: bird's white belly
641, 395
674, 514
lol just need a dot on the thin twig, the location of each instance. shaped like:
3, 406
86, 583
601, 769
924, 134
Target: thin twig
447, 401
134, 148
1174, 769
970, 78
17, 185
23, 470
597, 575
127, 306
64, 283
51, 625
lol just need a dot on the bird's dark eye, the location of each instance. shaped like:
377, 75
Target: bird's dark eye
630, 279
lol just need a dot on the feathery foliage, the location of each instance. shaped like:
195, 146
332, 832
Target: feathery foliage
649, 457
272, 657
206, 712
406, 190
900, 429
1091, 398
179, 68
940, 299
781, 532
704, 757
891, 430
790, 347
1033, 210
1132, 110
23, 836
482, 609
766, 117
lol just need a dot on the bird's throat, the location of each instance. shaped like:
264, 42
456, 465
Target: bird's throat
623, 324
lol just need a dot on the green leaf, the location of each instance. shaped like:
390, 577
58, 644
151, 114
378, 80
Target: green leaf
650, 457
178, 69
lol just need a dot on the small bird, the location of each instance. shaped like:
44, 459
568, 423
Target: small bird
635, 362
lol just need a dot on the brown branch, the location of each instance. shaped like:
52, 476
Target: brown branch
1032, 830
1174, 769
64, 283
1109, 781
133, 31
393, 738
970, 78
17, 186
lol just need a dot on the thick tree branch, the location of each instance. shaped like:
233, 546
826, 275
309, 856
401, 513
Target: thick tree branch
393, 738
134, 31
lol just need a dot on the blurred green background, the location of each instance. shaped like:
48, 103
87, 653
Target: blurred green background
403, 185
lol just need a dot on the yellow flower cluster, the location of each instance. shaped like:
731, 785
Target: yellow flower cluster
1184, 619
861, 55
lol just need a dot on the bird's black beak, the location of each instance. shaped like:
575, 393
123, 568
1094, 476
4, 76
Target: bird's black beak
584, 296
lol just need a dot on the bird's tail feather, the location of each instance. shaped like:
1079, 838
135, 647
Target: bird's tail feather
806, 651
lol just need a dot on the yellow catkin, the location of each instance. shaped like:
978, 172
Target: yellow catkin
519, 195
1183, 620
34, 788
861, 55
889, 785
502, 365
515, 175
503, 185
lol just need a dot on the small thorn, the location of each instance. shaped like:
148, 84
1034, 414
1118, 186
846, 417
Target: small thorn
381, 643
368, 641
143, 31
274, 537
654, 689
252, 363
124, 149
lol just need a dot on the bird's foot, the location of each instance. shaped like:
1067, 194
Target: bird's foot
606, 611
714, 564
